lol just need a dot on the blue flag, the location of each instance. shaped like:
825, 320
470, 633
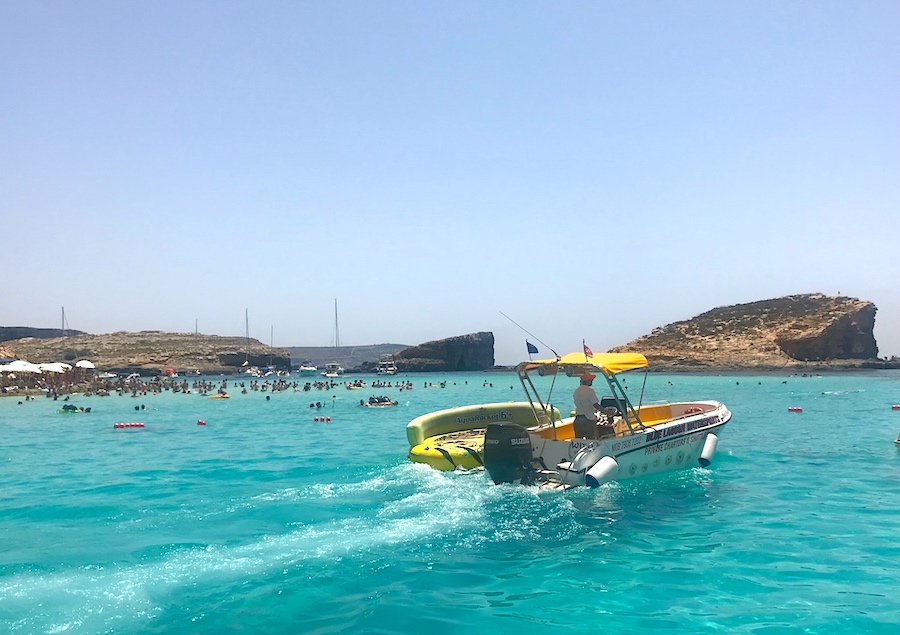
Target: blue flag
532, 349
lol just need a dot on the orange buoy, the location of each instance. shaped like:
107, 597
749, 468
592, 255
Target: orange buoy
201, 422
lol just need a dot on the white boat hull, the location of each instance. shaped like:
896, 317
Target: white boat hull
670, 446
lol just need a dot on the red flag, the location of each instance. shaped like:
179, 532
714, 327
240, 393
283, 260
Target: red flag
587, 351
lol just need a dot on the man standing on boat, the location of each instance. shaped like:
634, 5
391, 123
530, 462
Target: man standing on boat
586, 407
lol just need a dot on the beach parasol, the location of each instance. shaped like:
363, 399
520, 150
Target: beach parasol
54, 367
84, 364
20, 366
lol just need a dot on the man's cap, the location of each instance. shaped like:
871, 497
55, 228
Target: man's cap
588, 376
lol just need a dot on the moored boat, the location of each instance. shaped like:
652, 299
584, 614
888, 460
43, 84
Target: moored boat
308, 369
332, 369
386, 366
536, 446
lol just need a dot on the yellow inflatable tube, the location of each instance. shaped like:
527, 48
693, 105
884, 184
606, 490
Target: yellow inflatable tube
454, 438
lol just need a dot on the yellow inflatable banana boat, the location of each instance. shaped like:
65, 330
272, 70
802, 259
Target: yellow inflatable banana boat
454, 438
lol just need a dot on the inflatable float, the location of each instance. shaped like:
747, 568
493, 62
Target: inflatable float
454, 438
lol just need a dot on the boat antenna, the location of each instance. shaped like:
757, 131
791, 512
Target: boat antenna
643, 386
555, 354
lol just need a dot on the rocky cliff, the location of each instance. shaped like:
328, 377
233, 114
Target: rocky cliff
789, 331
462, 353
150, 351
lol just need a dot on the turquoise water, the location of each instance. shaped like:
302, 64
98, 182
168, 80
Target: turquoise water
266, 521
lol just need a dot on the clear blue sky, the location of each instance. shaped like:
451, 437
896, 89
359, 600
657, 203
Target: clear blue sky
591, 169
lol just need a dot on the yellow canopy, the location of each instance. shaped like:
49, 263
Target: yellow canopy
606, 363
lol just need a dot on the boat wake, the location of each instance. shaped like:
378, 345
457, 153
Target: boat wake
417, 507
398, 517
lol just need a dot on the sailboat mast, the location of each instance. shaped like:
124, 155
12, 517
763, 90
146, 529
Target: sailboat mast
337, 331
247, 336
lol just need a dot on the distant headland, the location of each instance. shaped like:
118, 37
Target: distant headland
804, 332
797, 332
153, 352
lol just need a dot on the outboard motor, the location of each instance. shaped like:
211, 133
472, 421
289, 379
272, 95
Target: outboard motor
507, 453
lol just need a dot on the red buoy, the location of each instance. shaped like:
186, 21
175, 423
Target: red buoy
315, 418
201, 422
896, 406
327, 418
795, 409
128, 425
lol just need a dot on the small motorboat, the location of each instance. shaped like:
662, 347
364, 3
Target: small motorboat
528, 442
378, 402
307, 369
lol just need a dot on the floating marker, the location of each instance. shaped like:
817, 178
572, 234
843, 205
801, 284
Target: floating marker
133, 424
327, 418
795, 409
315, 418
896, 406
201, 422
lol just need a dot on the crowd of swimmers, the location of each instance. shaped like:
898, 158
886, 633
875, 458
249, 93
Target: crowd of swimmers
137, 386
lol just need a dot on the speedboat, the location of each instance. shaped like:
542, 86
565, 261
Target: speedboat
528, 442
378, 402
332, 369
307, 369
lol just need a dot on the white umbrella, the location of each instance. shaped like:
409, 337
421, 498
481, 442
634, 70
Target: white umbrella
84, 364
20, 366
54, 367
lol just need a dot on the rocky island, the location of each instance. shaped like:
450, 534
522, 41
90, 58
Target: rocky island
797, 332
807, 331
462, 353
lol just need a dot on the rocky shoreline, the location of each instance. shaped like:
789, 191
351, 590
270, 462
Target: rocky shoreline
808, 333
